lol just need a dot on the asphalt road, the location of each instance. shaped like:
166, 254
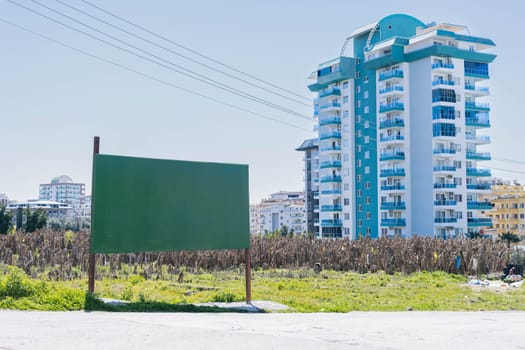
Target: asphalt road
355, 330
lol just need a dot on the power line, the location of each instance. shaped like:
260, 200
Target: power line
192, 74
181, 55
150, 77
192, 51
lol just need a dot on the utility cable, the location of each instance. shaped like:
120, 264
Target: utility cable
181, 55
195, 76
150, 77
192, 51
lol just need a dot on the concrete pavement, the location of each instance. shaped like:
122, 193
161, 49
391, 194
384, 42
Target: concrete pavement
355, 330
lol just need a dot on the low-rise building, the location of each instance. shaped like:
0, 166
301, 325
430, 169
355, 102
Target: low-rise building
508, 207
52, 209
282, 209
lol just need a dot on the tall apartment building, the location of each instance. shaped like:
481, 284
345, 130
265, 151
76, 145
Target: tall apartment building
399, 127
508, 212
4, 200
281, 209
62, 189
311, 182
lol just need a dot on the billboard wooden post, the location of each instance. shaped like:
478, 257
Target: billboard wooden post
91, 258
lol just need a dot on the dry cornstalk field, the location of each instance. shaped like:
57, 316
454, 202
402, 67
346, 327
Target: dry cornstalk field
64, 255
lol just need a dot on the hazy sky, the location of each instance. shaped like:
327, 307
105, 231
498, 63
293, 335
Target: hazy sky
54, 100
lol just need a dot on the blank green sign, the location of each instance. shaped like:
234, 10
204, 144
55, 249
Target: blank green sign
142, 205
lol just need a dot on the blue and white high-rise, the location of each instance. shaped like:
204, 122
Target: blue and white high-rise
401, 115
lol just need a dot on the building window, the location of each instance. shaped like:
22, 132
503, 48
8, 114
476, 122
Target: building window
365, 94
346, 187
367, 200
347, 216
359, 208
367, 139
367, 155
359, 193
345, 114
346, 157
358, 178
365, 79
367, 170
345, 85
358, 75
368, 215
360, 223
367, 109
358, 103
346, 201
357, 89
367, 185
345, 99
359, 163
358, 148
367, 123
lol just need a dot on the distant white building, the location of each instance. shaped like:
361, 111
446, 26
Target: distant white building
52, 208
281, 209
62, 189
4, 200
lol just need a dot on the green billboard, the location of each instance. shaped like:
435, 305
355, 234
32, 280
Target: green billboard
142, 204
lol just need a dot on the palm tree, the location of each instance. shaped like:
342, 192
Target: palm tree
509, 237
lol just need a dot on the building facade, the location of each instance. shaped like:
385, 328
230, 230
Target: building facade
311, 182
508, 212
4, 200
62, 189
400, 124
280, 210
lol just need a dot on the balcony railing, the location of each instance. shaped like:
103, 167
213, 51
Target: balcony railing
480, 89
392, 156
478, 155
445, 220
393, 205
329, 120
476, 106
443, 82
391, 89
438, 65
393, 188
330, 148
392, 138
390, 123
330, 135
331, 192
477, 121
331, 178
332, 222
331, 207
480, 138
479, 205
332, 91
478, 172
445, 202
392, 172
331, 164
394, 222
479, 222
445, 185
444, 151
482, 186
316, 194
444, 168
394, 106
330, 105
394, 73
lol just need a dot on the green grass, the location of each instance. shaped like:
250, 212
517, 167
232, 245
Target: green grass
301, 290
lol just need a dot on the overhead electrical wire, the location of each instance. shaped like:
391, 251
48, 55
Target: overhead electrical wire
193, 51
150, 77
181, 55
192, 74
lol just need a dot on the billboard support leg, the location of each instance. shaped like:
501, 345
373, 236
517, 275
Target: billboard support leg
248, 276
91, 258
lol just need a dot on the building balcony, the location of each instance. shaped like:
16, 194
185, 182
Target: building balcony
392, 138
391, 90
478, 172
445, 185
331, 164
480, 122
443, 82
481, 90
476, 106
316, 195
331, 192
316, 221
477, 73
391, 123
331, 178
479, 222
479, 140
329, 106
332, 119
316, 207
393, 188
337, 207
479, 187
330, 135
389, 107
445, 202
400, 222
392, 156
445, 168
393, 206
331, 91
445, 220
478, 155
444, 151
330, 149
442, 66
391, 74
332, 223
479, 205
392, 172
